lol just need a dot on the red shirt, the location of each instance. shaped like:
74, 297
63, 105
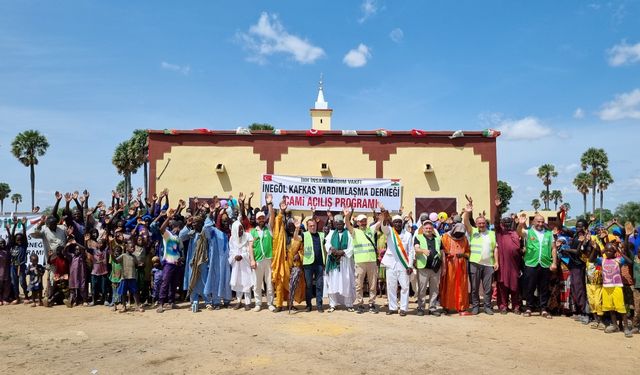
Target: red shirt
61, 266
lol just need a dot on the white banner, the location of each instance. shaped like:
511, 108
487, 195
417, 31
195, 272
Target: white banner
35, 244
324, 193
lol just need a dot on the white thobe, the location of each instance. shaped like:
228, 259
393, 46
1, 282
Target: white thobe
339, 285
242, 276
396, 273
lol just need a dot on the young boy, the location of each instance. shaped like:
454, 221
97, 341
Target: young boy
35, 272
115, 276
612, 296
156, 271
129, 282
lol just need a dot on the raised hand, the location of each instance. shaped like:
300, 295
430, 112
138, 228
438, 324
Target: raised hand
498, 201
346, 211
296, 223
522, 219
139, 192
67, 197
380, 206
269, 198
75, 195
24, 221
171, 212
283, 206
468, 198
181, 203
82, 199
468, 208
241, 196
251, 195
85, 193
154, 197
58, 195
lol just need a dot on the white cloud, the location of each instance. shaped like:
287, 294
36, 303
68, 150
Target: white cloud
396, 35
533, 171
368, 8
357, 57
579, 113
527, 128
184, 70
269, 36
573, 167
624, 54
624, 106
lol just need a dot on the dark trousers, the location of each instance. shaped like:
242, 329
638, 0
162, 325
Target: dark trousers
168, 287
19, 281
99, 287
537, 278
311, 272
480, 274
503, 297
579, 288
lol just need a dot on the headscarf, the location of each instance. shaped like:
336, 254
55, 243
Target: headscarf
236, 240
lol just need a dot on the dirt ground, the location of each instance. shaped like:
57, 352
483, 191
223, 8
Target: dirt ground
94, 340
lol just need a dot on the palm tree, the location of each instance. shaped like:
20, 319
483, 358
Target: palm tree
604, 180
27, 147
16, 199
556, 196
125, 160
597, 160
582, 182
535, 204
139, 142
546, 172
545, 196
4, 194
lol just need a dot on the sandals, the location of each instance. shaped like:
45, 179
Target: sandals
546, 315
527, 313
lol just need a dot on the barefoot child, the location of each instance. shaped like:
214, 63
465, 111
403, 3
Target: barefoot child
156, 271
129, 282
115, 276
76, 255
35, 272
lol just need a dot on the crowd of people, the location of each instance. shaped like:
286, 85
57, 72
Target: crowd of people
225, 253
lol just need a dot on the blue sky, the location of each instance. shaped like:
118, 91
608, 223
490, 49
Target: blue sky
555, 77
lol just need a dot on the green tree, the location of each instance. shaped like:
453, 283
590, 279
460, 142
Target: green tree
27, 147
604, 180
505, 192
596, 160
556, 196
260, 126
4, 194
545, 196
629, 211
603, 215
535, 204
125, 159
582, 182
140, 143
120, 188
545, 173
16, 199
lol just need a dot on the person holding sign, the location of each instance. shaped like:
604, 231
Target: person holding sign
339, 279
262, 254
364, 256
398, 260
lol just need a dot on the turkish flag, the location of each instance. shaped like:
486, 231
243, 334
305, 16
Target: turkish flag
266, 177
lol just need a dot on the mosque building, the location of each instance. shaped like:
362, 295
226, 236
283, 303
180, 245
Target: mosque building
435, 168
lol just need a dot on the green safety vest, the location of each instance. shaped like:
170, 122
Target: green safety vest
262, 249
421, 259
476, 243
309, 255
363, 250
536, 253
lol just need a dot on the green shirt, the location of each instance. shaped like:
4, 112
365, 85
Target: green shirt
538, 248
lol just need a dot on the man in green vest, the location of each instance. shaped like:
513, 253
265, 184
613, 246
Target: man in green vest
262, 253
428, 260
313, 261
365, 256
483, 260
540, 259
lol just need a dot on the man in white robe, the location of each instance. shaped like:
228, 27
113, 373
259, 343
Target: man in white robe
242, 264
339, 278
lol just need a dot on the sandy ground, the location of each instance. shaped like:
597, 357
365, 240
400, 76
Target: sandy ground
88, 340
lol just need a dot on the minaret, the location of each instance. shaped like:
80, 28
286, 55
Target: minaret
320, 113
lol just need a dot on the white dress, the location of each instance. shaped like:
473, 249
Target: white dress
340, 285
242, 276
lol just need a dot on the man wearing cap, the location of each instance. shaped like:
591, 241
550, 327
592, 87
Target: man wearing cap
428, 260
483, 260
540, 259
339, 276
364, 256
262, 253
398, 261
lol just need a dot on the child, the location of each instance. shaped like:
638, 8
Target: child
594, 288
156, 271
60, 289
612, 296
76, 255
35, 272
99, 251
5, 281
129, 282
115, 276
